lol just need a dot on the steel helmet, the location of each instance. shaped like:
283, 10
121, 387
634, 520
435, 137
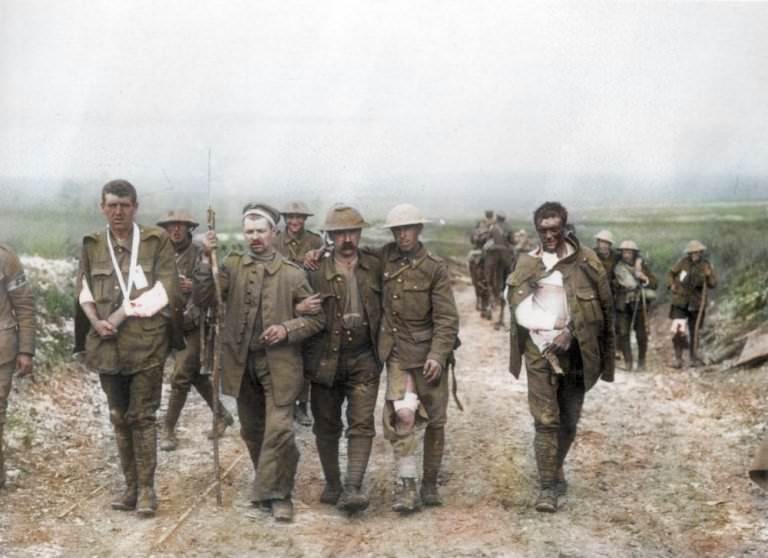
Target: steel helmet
605, 235
296, 208
629, 245
402, 215
341, 217
177, 216
694, 246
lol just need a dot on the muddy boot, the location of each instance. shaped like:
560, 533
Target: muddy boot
678, 345
545, 447
406, 496
282, 509
301, 415
145, 450
434, 444
127, 500
328, 450
352, 499
561, 485
225, 421
175, 405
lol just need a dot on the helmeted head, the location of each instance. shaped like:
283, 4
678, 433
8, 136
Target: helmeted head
178, 223
344, 225
406, 223
695, 250
604, 243
501, 216
260, 226
629, 251
489, 213
296, 214
551, 221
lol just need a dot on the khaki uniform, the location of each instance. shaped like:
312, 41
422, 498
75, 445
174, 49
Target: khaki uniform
265, 380
420, 322
687, 295
499, 259
628, 304
343, 364
130, 364
295, 248
17, 328
477, 263
609, 262
555, 400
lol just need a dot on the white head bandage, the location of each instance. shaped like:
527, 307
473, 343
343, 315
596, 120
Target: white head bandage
259, 213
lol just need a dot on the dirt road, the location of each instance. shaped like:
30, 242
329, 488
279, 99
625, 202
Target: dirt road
658, 469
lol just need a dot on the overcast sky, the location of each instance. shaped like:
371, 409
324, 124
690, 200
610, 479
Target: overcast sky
308, 94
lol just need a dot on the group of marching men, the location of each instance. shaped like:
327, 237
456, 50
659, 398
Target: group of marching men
496, 249
290, 307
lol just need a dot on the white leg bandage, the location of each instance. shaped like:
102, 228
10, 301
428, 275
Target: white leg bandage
409, 401
406, 467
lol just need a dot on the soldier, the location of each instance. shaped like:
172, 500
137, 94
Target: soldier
17, 332
476, 260
419, 332
604, 250
261, 349
522, 243
499, 260
126, 279
687, 280
294, 243
562, 322
342, 361
179, 225
633, 281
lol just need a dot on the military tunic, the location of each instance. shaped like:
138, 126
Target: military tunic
260, 292
499, 258
629, 303
17, 322
296, 247
687, 293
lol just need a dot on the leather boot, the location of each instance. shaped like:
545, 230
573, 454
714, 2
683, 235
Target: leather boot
145, 450
282, 509
406, 496
545, 446
205, 389
434, 445
175, 405
127, 500
352, 499
328, 450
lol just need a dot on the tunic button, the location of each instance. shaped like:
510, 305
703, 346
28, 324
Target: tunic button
336, 332
335, 349
338, 297
338, 279
399, 280
394, 330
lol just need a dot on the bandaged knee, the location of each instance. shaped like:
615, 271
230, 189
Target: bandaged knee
406, 467
410, 401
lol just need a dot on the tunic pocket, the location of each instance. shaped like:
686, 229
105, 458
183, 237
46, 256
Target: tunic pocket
590, 305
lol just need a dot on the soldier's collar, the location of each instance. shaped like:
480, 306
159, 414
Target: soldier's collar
417, 253
270, 266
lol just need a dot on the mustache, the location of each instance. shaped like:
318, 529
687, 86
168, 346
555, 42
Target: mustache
347, 245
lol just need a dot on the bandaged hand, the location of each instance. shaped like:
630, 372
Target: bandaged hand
432, 370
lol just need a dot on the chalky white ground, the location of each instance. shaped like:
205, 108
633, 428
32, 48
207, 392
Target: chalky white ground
658, 469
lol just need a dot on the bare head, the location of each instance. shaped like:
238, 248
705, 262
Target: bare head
551, 220
119, 205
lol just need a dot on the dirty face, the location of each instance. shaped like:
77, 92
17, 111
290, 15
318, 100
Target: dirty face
177, 231
407, 237
551, 233
119, 212
346, 242
603, 248
696, 256
628, 256
259, 234
294, 223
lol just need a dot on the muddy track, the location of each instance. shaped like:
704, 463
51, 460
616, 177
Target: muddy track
658, 469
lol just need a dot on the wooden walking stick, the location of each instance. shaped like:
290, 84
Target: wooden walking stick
218, 324
699, 319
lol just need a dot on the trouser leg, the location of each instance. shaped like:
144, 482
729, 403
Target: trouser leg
326, 408
570, 396
250, 409
117, 390
6, 379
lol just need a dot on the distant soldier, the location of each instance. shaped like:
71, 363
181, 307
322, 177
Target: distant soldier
17, 331
342, 360
633, 281
604, 250
179, 225
522, 243
294, 243
562, 323
126, 280
418, 334
499, 260
476, 259
261, 363
687, 280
